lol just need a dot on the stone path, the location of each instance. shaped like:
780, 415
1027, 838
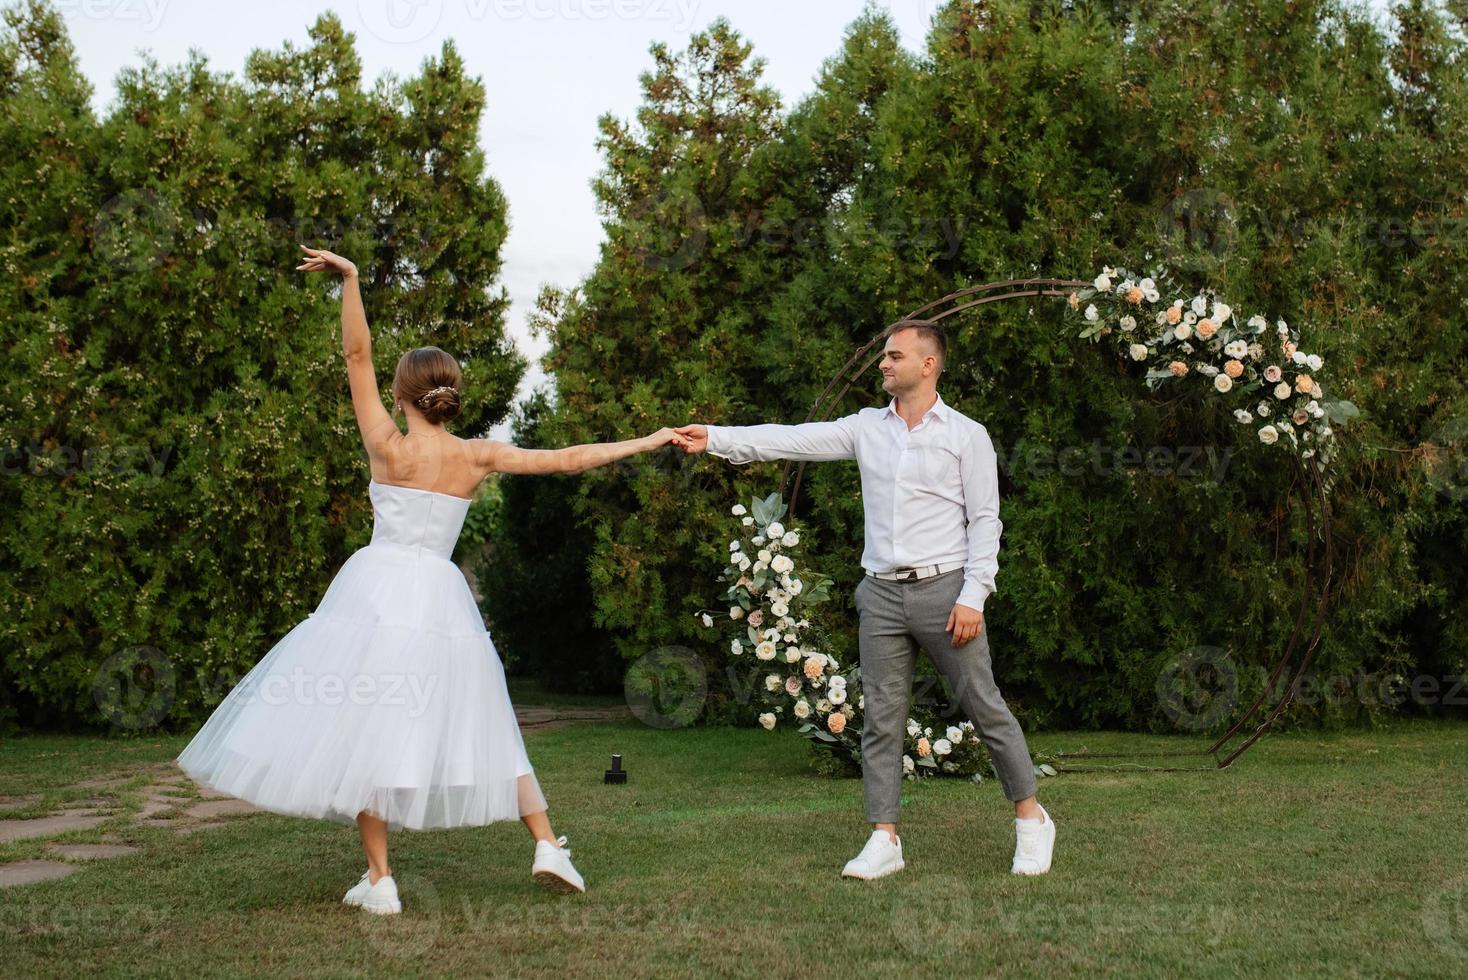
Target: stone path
170, 800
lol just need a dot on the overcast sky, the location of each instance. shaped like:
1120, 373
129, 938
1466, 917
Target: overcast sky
550, 69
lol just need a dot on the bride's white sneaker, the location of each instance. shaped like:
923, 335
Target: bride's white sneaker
1034, 844
553, 869
882, 856
355, 893
379, 899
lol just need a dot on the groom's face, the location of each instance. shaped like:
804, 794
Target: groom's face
905, 363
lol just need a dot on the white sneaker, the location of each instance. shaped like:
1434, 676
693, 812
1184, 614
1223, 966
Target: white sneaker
1034, 845
381, 898
361, 888
882, 856
553, 869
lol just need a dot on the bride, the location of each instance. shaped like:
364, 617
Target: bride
387, 707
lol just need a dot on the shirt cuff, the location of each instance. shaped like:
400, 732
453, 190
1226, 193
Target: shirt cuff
973, 596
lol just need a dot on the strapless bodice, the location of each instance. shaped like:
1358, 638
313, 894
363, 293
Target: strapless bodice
424, 520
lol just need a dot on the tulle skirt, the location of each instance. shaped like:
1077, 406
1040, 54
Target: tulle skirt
390, 698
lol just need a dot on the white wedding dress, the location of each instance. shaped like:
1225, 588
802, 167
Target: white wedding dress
389, 698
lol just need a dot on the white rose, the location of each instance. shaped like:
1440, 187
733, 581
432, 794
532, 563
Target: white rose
758, 539
792, 655
1200, 305
908, 765
912, 728
955, 734
1182, 331
1314, 361
1102, 283
837, 695
1223, 382
773, 683
789, 637
792, 648
1091, 313
1243, 416
1128, 323
736, 612
1149, 290
802, 709
747, 521
1264, 409
1221, 312
735, 647
707, 619
744, 563
733, 545
772, 634
1161, 318
1138, 352
1258, 323
823, 706
1236, 348
791, 539
836, 679
1299, 357
1269, 435
768, 721
1190, 318
861, 702
764, 556
942, 747
797, 587
738, 510
782, 564
1282, 391
775, 530
765, 651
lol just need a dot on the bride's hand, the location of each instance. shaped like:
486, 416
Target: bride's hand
320, 260
664, 437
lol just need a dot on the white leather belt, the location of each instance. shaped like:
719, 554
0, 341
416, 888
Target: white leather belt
906, 574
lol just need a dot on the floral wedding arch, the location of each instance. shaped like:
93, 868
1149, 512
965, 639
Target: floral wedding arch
1257, 368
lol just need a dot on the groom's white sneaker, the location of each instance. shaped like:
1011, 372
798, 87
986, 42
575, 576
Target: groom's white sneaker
553, 869
882, 856
355, 893
381, 898
1034, 844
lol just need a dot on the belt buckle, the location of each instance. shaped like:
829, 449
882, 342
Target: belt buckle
911, 576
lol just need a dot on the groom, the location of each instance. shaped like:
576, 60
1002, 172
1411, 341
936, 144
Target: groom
931, 494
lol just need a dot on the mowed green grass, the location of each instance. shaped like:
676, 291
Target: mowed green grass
1317, 855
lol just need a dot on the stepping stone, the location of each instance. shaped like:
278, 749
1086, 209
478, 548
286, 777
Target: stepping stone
159, 822
210, 793
90, 851
534, 716
221, 808
91, 801
30, 872
151, 809
101, 782
17, 802
48, 826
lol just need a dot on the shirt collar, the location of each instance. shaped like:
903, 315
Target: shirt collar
939, 410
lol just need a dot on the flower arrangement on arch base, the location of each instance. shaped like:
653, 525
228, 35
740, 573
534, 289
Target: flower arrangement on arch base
770, 596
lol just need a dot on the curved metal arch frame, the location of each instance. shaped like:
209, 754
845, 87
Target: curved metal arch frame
1296, 657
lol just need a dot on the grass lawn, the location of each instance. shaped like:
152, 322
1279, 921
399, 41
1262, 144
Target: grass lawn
1319, 855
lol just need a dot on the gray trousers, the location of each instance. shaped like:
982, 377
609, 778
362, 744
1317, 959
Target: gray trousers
897, 618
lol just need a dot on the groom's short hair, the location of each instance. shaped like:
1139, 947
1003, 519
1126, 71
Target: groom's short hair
927, 330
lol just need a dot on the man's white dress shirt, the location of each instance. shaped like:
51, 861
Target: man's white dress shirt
931, 494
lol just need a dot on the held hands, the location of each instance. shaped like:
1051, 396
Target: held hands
695, 438
666, 437
964, 623
320, 260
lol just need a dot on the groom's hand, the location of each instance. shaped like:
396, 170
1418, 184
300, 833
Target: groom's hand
964, 623
695, 438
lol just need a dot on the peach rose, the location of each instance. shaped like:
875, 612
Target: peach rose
924, 749
1300, 417
1075, 301
1233, 368
836, 723
1288, 347
1178, 369
1303, 384
1206, 329
813, 669
1174, 314
1134, 296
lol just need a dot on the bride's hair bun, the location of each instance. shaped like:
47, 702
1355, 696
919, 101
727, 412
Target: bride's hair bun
429, 378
